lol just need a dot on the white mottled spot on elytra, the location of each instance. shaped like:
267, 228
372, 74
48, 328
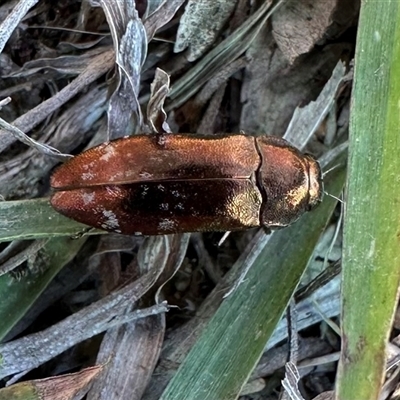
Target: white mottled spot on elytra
164, 206
87, 198
377, 36
110, 220
166, 224
176, 193
145, 175
113, 190
138, 234
129, 173
108, 153
161, 187
145, 189
179, 206
85, 167
87, 176
117, 231
117, 176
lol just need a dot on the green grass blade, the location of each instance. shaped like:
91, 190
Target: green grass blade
17, 296
371, 252
34, 219
225, 354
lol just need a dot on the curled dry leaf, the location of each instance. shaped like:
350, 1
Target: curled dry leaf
156, 115
225, 52
56, 388
130, 43
159, 14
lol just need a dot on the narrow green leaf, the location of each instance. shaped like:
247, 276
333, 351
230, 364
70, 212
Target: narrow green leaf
17, 296
371, 248
34, 219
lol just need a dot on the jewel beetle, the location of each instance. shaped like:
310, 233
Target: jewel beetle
187, 183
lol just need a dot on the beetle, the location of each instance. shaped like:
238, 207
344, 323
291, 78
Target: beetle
187, 183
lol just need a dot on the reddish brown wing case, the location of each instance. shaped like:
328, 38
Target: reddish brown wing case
142, 159
188, 183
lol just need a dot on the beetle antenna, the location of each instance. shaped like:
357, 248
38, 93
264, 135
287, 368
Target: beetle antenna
329, 170
334, 197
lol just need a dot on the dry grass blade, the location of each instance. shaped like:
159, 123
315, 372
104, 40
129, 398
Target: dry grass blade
131, 351
98, 67
94, 319
8, 26
306, 120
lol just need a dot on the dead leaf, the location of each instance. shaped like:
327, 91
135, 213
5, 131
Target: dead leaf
61, 387
200, 26
299, 24
156, 115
